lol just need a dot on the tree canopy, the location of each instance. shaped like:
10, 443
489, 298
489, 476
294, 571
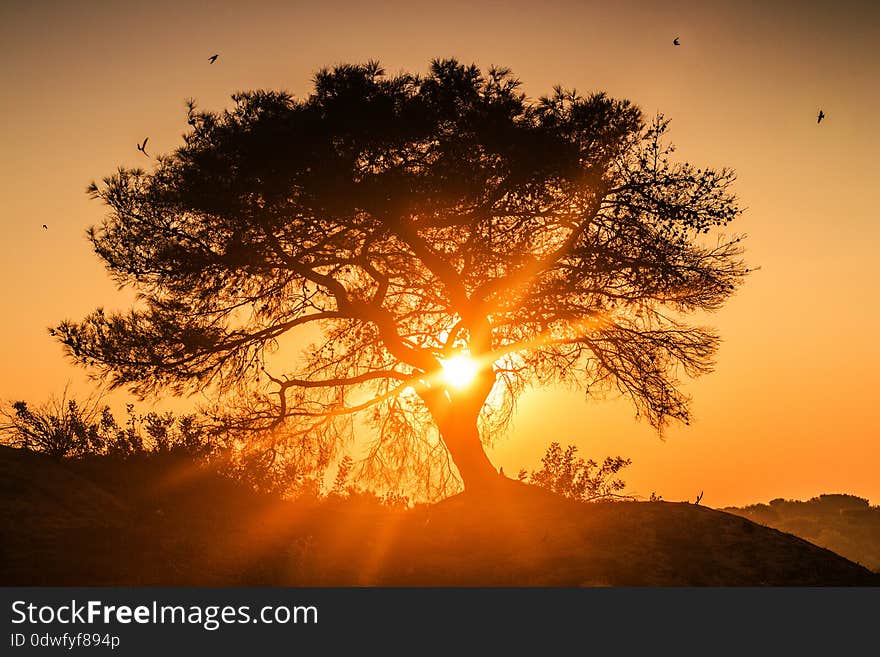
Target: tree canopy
407, 220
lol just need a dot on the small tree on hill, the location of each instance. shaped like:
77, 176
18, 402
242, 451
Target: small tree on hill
567, 474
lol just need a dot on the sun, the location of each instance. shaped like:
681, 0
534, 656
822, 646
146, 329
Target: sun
459, 371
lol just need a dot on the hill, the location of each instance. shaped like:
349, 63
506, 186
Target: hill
154, 523
845, 524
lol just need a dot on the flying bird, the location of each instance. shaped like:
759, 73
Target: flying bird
143, 147
675, 42
213, 58
45, 227
821, 116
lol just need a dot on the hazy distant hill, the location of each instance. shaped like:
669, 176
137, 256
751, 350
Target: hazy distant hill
845, 524
87, 523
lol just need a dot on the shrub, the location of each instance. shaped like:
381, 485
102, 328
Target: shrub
567, 474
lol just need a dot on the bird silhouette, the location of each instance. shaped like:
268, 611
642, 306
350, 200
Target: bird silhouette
45, 227
213, 58
699, 497
143, 147
821, 116
675, 42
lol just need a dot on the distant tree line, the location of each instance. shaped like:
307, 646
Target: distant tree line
845, 524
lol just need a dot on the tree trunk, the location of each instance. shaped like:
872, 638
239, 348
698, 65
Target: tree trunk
456, 413
462, 439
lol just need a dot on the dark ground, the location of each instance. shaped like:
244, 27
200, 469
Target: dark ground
83, 524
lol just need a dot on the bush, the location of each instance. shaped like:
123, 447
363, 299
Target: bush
65, 428
88, 431
567, 474
61, 427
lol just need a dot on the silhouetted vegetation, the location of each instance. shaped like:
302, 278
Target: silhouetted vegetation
87, 431
61, 427
565, 473
65, 427
846, 524
407, 220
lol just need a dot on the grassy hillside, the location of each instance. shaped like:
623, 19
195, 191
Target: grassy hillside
175, 524
844, 524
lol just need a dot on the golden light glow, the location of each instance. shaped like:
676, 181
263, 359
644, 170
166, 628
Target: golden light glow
767, 365
459, 371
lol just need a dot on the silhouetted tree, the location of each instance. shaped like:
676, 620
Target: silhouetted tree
569, 475
406, 220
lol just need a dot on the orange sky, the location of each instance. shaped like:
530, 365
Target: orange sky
792, 409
